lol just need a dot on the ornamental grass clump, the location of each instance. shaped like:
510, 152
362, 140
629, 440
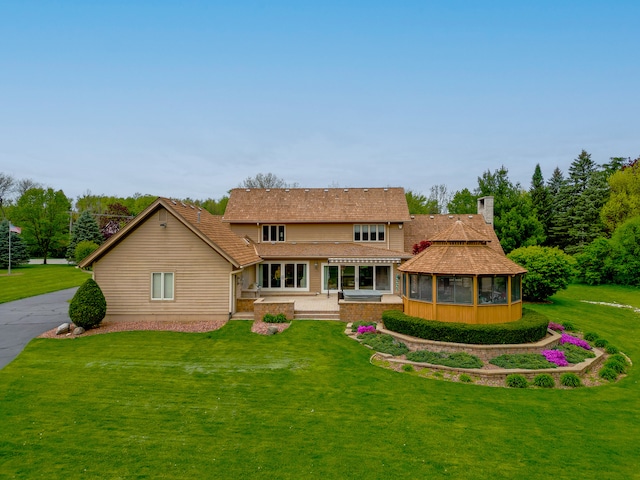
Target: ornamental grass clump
608, 373
556, 326
544, 380
611, 349
516, 380
601, 343
591, 336
615, 365
555, 356
568, 326
570, 380
566, 338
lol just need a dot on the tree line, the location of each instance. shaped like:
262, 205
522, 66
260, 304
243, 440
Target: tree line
592, 213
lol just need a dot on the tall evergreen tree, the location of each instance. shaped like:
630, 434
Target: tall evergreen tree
557, 227
86, 228
19, 254
540, 199
515, 221
463, 202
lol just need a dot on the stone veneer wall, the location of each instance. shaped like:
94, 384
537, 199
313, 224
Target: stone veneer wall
274, 307
244, 304
365, 311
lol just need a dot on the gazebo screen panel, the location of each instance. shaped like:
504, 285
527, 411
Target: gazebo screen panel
492, 290
455, 289
516, 292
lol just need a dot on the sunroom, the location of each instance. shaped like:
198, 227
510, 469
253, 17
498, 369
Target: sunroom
460, 278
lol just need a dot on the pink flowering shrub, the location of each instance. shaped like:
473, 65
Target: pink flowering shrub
366, 329
566, 338
555, 356
556, 326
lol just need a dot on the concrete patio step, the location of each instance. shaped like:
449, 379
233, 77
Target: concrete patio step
242, 316
317, 315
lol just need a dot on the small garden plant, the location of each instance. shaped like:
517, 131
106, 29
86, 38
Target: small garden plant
516, 380
384, 343
544, 380
362, 323
570, 380
456, 360
271, 318
529, 361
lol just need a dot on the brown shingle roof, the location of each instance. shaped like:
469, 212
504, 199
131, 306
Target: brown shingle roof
219, 233
209, 228
428, 227
325, 250
316, 205
461, 250
461, 260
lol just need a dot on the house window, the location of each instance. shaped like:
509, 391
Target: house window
516, 282
492, 290
420, 287
273, 233
283, 275
368, 233
455, 289
162, 286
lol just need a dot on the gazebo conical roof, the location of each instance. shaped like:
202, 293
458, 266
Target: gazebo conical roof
461, 250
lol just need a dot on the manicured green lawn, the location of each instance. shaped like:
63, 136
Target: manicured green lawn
305, 404
30, 280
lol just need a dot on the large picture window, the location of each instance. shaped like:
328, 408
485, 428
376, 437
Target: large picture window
492, 290
368, 233
455, 289
283, 275
162, 286
420, 287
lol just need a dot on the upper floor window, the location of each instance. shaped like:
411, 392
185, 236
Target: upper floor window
273, 233
368, 233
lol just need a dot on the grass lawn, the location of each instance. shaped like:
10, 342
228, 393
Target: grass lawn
29, 280
306, 404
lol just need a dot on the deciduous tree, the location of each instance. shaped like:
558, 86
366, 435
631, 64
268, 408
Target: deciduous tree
44, 218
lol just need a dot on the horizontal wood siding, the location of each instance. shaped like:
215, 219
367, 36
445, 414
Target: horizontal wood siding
201, 276
250, 230
331, 232
396, 237
416, 308
463, 313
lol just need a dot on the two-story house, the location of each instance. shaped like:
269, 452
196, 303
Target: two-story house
176, 261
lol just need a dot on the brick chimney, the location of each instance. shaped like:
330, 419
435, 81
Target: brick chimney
485, 208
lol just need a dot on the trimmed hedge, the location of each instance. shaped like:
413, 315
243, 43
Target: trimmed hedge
530, 328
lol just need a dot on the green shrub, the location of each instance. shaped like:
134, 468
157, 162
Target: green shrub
616, 366
465, 378
384, 343
271, 318
575, 354
600, 343
544, 380
591, 336
611, 349
568, 326
88, 306
529, 361
608, 373
515, 380
455, 360
548, 270
407, 368
618, 357
530, 328
361, 323
570, 380
84, 249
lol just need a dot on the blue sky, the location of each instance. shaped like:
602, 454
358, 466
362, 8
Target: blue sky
186, 99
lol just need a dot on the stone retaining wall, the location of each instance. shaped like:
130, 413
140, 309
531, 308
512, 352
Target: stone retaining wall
351, 311
244, 304
263, 306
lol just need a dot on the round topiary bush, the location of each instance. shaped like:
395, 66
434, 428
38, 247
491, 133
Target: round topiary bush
88, 306
570, 380
544, 380
515, 380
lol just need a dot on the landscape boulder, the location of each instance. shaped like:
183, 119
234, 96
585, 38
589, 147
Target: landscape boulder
64, 328
78, 331
271, 330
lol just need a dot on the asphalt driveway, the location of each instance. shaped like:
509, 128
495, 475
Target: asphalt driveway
22, 320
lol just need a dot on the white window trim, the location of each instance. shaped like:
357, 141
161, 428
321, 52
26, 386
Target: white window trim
273, 240
162, 294
357, 273
282, 288
361, 227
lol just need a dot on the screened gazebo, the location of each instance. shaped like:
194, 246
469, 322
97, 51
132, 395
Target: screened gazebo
460, 278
